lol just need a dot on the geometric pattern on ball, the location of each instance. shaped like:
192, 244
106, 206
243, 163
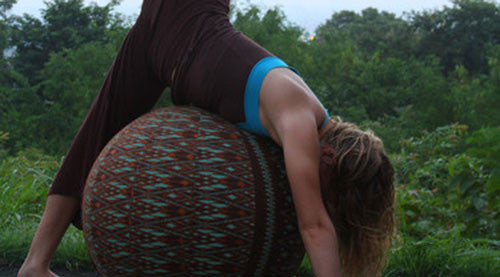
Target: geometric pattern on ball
182, 192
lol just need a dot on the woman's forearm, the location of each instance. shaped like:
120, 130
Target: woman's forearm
58, 213
322, 248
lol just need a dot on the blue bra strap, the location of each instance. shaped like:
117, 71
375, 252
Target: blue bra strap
252, 91
251, 98
326, 119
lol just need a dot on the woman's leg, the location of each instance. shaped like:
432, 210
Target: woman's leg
130, 90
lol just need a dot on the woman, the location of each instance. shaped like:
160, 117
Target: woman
340, 178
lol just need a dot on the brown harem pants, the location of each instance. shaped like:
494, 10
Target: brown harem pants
191, 37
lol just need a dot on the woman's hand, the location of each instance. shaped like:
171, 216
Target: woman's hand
29, 269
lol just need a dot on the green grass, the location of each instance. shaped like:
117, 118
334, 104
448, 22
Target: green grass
24, 181
25, 178
305, 269
444, 257
433, 257
71, 253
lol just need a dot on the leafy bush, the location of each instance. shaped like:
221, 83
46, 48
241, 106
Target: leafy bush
485, 145
442, 189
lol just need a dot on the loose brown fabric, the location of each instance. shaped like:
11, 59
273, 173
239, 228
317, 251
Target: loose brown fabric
189, 40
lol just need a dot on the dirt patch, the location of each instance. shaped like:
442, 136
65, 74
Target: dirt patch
12, 272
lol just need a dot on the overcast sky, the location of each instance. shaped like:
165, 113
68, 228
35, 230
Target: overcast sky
306, 13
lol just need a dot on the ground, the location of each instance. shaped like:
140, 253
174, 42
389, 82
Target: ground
12, 271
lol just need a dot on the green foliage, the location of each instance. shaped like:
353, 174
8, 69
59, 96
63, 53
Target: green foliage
485, 145
442, 190
72, 252
362, 66
384, 86
71, 80
372, 31
24, 181
5, 5
305, 269
460, 34
3, 138
57, 68
453, 256
19, 107
66, 24
271, 31
475, 99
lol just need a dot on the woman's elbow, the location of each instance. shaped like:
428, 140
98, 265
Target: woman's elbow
318, 228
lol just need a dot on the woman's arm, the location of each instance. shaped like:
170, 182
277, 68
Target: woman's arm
290, 112
299, 137
58, 213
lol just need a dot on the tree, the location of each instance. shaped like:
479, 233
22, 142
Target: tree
459, 35
272, 32
71, 80
58, 65
5, 5
372, 31
65, 25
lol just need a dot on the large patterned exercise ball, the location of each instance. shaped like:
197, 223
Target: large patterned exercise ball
182, 192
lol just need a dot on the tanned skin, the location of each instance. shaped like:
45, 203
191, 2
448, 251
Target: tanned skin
58, 213
291, 113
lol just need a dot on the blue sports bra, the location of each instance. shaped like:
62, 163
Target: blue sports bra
251, 98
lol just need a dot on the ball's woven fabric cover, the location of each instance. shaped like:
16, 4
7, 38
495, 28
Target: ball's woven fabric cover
182, 192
